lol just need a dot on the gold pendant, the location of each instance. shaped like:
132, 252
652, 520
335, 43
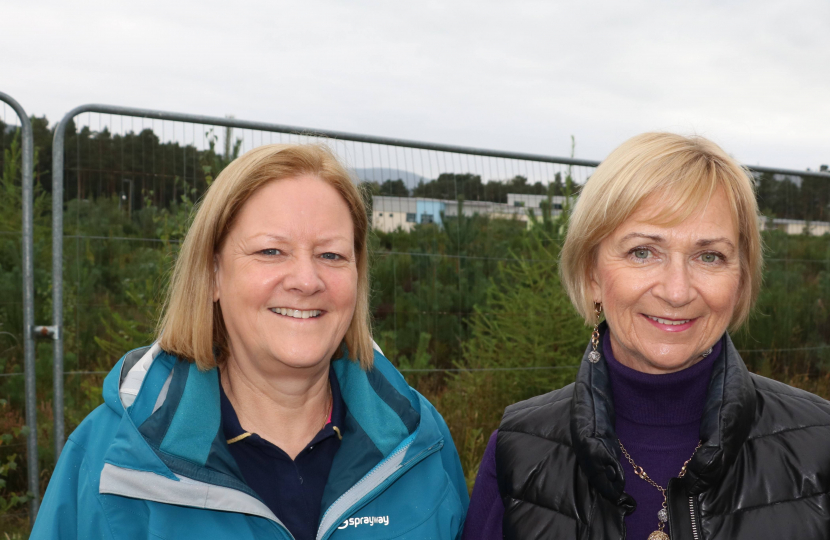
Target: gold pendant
658, 535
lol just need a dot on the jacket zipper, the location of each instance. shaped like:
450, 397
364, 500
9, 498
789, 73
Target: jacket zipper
364, 479
695, 534
398, 472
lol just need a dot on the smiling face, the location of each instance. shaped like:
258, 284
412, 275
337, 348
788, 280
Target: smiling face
286, 275
668, 293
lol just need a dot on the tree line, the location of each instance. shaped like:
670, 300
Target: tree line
138, 163
470, 187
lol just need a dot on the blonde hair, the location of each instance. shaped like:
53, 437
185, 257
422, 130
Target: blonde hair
684, 172
191, 325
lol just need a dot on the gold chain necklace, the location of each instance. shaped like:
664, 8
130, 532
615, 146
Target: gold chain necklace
662, 514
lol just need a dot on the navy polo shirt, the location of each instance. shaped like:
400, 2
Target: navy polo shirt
292, 489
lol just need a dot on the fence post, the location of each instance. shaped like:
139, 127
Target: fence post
27, 140
57, 281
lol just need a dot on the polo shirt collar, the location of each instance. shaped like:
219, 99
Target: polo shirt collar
234, 432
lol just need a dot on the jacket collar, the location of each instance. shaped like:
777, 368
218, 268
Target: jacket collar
592, 429
727, 419
171, 410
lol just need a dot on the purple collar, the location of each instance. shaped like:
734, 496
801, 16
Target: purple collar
660, 400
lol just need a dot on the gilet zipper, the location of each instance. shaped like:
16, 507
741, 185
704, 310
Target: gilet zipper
695, 533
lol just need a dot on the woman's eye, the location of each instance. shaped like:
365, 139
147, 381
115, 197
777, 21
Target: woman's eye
641, 254
709, 258
270, 252
331, 256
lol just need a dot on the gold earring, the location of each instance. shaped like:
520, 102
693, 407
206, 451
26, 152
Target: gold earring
594, 355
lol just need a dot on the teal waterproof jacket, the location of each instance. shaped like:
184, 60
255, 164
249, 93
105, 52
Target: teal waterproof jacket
152, 462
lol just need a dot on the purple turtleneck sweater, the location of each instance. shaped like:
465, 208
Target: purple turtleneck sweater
658, 421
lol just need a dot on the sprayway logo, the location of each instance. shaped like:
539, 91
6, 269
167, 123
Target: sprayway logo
370, 521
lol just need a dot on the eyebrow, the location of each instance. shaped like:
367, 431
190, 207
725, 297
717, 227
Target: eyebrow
326, 240
654, 237
709, 241
703, 242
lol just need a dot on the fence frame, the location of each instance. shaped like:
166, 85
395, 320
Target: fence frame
58, 154
27, 140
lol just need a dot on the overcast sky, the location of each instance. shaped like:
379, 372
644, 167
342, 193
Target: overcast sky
752, 75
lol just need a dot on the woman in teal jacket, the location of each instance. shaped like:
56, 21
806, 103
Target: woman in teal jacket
263, 410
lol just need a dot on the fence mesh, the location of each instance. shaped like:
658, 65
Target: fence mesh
131, 183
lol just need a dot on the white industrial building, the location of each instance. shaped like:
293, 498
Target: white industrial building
796, 226
534, 201
391, 213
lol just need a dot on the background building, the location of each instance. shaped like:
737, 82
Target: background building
534, 201
796, 226
391, 213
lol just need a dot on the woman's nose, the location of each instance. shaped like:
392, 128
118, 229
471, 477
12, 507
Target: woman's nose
675, 285
303, 276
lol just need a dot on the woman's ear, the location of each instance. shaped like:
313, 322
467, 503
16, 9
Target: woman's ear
596, 288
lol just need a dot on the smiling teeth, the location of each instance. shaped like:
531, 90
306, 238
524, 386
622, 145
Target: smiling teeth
296, 313
667, 321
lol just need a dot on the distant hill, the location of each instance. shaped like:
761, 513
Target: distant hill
381, 174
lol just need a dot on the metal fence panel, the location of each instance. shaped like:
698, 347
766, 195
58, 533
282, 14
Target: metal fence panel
173, 167
153, 159
27, 249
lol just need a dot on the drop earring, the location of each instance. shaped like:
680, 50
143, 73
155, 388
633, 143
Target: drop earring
594, 355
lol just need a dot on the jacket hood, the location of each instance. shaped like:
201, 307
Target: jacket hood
724, 427
171, 420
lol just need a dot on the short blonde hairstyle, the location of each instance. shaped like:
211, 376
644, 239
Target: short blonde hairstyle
191, 325
685, 172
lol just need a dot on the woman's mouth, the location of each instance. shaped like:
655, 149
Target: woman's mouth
671, 322
297, 313
670, 325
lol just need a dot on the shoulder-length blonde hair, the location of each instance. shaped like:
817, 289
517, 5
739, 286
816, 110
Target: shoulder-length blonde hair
685, 172
191, 325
